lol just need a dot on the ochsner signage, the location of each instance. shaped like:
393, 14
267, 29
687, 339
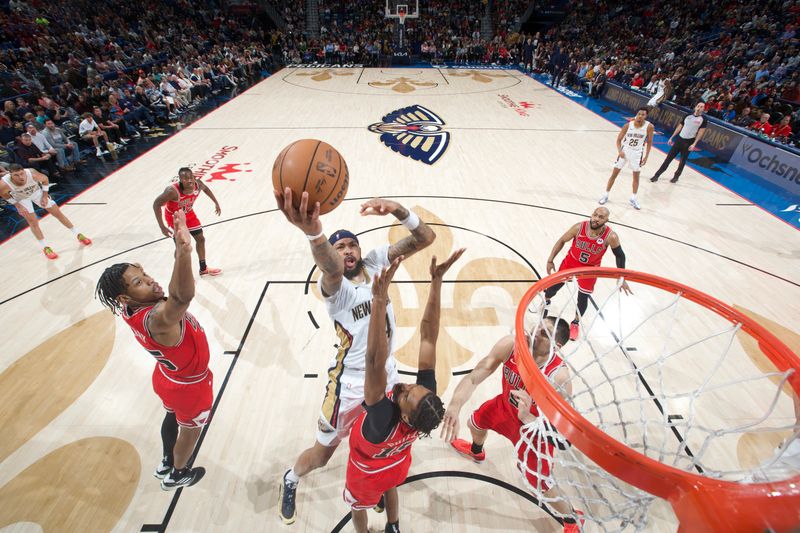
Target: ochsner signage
775, 165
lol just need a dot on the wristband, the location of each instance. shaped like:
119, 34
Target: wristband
315, 237
411, 222
46, 188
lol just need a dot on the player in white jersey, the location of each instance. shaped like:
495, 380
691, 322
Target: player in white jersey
634, 142
346, 285
24, 187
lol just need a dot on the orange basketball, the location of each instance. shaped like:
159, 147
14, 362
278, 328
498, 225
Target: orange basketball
313, 166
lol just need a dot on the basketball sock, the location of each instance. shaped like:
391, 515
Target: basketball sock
202, 264
291, 477
476, 448
74, 230
42, 243
169, 435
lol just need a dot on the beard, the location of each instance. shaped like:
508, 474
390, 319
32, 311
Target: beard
595, 226
350, 274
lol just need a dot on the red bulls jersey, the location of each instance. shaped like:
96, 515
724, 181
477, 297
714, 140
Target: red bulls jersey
512, 379
393, 451
588, 250
185, 201
186, 362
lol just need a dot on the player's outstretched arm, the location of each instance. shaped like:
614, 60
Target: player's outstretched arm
377, 339
421, 234
499, 353
568, 236
619, 256
205, 188
325, 257
429, 326
167, 316
169, 194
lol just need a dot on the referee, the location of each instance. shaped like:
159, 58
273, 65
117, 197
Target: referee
689, 134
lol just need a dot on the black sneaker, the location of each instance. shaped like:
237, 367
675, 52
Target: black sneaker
654, 179
287, 491
392, 528
381, 506
182, 478
162, 469
674, 180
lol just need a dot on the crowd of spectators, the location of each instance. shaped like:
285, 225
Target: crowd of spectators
106, 71
133, 64
740, 59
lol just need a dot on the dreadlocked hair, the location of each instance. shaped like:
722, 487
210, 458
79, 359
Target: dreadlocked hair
428, 414
111, 285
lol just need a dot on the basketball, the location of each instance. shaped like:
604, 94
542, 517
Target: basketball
313, 166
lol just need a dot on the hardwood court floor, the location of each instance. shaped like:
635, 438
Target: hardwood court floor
81, 424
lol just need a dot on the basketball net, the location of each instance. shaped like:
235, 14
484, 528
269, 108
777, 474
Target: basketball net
401, 14
666, 404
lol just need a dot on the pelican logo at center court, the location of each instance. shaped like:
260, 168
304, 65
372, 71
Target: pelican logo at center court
414, 132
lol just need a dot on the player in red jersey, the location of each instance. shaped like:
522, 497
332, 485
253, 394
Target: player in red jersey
181, 196
382, 435
507, 412
590, 240
165, 328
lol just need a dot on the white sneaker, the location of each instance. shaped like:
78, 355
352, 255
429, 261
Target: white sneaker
603, 199
635, 203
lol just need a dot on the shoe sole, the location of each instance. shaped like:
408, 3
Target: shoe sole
288, 521
159, 475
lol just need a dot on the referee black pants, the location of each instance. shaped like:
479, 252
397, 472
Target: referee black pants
681, 146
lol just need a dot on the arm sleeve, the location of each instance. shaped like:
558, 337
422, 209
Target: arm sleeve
704, 123
619, 255
379, 420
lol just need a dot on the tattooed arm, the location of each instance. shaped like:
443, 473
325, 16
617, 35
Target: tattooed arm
421, 235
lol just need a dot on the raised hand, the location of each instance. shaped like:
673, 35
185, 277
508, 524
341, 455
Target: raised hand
437, 271
450, 425
381, 282
183, 239
379, 206
307, 221
524, 402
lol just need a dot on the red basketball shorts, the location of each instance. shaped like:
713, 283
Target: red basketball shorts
190, 402
584, 284
363, 490
192, 222
498, 416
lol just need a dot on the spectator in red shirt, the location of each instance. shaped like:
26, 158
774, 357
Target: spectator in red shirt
762, 125
783, 130
637, 81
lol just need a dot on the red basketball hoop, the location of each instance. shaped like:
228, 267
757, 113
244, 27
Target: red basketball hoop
702, 502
